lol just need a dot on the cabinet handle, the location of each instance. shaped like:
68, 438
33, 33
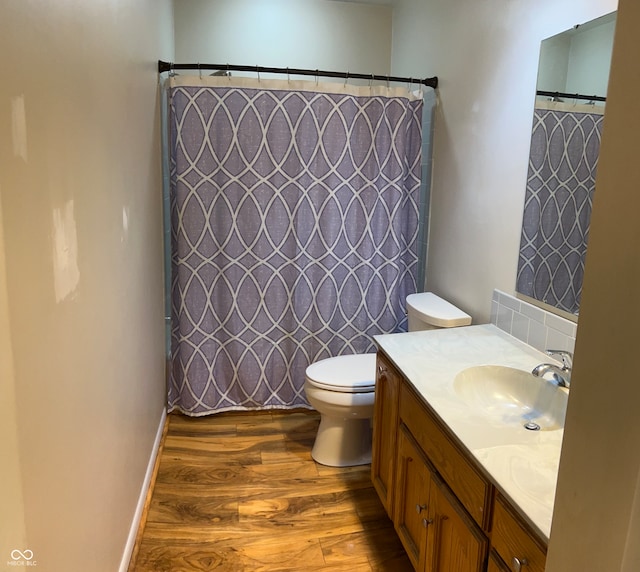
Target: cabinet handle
518, 564
426, 522
420, 508
381, 369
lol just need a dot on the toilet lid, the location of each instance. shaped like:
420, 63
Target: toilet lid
348, 374
435, 311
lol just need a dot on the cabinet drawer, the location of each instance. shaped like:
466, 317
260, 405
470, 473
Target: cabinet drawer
469, 486
511, 540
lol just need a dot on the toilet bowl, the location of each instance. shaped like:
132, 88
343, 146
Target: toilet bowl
342, 388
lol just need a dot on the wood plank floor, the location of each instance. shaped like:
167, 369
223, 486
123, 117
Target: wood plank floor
240, 492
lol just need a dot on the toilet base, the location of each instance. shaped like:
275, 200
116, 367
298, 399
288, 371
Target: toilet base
342, 442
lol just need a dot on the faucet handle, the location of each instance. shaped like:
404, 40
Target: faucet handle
565, 356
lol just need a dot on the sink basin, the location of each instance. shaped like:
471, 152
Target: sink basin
512, 397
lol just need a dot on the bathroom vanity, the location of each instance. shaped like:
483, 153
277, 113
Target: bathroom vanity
467, 490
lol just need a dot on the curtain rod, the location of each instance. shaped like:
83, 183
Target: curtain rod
571, 95
170, 66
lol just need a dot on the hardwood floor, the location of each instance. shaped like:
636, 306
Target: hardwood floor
240, 492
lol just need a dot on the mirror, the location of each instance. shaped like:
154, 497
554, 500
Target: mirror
571, 88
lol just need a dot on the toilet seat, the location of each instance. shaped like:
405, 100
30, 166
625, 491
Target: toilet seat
345, 374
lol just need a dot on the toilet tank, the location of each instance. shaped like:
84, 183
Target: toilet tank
426, 311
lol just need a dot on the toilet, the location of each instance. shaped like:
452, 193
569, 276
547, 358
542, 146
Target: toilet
342, 388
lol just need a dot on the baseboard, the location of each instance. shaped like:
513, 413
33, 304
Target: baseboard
141, 507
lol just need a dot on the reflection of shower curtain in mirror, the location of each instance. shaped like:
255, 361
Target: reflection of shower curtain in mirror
558, 201
294, 227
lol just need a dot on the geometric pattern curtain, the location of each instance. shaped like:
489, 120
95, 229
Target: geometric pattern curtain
559, 196
294, 210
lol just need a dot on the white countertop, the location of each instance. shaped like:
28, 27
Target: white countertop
523, 464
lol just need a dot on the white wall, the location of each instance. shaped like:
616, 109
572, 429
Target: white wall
81, 301
486, 56
12, 525
309, 34
597, 511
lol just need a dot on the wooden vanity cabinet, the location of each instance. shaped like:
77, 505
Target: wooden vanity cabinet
496, 564
513, 542
470, 487
411, 516
454, 543
434, 527
436, 531
385, 425
445, 511
437, 534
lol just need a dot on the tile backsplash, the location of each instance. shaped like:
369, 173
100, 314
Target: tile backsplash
532, 325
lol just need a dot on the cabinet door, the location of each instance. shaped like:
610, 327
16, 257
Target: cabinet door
496, 564
413, 481
385, 424
454, 542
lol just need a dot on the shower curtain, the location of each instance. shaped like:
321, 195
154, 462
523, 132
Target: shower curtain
294, 221
565, 145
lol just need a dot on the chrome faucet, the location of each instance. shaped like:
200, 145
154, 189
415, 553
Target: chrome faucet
560, 375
